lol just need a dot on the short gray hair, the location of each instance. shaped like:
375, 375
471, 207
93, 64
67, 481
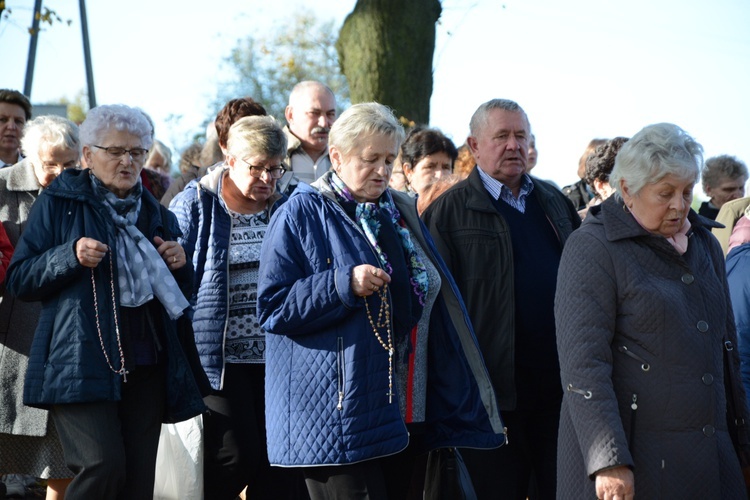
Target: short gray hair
364, 119
653, 153
719, 167
301, 87
102, 119
481, 116
49, 131
256, 136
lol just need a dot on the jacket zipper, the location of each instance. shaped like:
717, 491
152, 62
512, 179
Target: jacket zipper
341, 375
633, 410
374, 253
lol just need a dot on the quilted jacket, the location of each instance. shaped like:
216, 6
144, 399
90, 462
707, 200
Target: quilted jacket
326, 373
206, 228
640, 333
738, 276
66, 363
475, 242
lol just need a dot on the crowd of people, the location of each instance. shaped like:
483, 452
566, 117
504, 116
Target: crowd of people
338, 299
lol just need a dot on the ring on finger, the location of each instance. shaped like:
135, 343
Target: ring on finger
174, 259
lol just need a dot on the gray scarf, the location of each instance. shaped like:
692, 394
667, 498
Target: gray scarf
141, 271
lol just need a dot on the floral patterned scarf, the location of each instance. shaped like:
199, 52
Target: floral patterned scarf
366, 216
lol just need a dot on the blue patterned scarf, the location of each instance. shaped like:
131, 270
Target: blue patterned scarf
141, 271
366, 217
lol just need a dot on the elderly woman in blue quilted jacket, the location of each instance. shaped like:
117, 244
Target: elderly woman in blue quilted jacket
370, 356
645, 335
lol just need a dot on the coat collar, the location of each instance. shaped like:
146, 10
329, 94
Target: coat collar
620, 224
211, 183
21, 177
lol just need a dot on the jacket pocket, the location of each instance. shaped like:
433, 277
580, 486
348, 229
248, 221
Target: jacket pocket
341, 373
645, 365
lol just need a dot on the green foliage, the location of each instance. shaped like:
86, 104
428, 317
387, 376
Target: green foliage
267, 67
77, 108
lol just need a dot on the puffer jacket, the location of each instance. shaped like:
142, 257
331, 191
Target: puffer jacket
738, 277
640, 333
66, 362
206, 227
327, 374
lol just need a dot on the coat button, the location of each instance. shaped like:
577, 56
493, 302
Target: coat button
702, 326
708, 379
687, 278
708, 430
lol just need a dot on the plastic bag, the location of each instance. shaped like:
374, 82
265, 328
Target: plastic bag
179, 462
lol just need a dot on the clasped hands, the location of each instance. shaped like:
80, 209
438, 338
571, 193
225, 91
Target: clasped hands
90, 252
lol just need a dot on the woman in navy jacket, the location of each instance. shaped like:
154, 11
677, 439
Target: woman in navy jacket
106, 359
370, 356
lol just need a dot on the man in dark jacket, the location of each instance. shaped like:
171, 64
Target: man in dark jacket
501, 232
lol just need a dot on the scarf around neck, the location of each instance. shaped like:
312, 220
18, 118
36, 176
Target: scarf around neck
678, 240
366, 216
141, 271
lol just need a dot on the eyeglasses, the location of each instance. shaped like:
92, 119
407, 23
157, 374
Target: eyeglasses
114, 152
273, 172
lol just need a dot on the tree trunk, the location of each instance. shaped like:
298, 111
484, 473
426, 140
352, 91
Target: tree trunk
385, 50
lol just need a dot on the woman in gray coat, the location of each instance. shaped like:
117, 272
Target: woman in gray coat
643, 314
28, 441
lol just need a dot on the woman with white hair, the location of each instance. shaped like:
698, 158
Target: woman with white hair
370, 357
99, 253
646, 338
28, 439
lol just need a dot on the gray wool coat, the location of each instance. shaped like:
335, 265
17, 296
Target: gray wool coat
640, 332
19, 189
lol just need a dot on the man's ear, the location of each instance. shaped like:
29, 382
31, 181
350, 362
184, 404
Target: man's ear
471, 141
288, 114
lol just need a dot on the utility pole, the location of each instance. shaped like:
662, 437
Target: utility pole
87, 55
32, 49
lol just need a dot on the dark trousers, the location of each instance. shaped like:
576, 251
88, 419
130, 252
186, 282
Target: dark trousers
526, 466
235, 442
397, 477
111, 446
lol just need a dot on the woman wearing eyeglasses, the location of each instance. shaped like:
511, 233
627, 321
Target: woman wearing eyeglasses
223, 217
106, 360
